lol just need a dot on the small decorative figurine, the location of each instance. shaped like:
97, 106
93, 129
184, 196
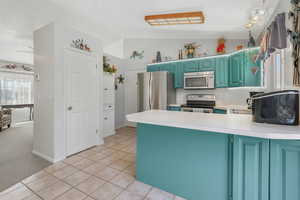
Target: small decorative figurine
158, 56
221, 46
239, 47
190, 49
251, 42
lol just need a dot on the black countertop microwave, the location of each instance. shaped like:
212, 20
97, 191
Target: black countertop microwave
280, 107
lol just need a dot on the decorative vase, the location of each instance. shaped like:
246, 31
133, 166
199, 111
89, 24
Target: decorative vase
158, 56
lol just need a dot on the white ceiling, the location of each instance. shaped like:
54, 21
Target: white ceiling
115, 19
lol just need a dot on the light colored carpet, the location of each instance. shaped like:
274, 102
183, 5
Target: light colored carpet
16, 160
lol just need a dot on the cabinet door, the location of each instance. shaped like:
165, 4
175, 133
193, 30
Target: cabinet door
222, 72
190, 66
236, 70
285, 170
108, 122
178, 76
207, 64
250, 168
252, 77
153, 68
169, 67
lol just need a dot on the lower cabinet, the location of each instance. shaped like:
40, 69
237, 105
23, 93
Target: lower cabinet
285, 170
250, 168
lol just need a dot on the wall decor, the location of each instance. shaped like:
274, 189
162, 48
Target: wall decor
221, 48
27, 68
80, 44
136, 54
119, 80
190, 49
254, 70
112, 69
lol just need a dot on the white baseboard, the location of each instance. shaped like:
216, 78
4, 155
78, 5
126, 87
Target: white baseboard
48, 158
106, 134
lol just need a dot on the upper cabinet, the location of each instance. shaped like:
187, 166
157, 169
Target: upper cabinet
154, 68
207, 64
239, 69
190, 66
236, 69
252, 68
222, 67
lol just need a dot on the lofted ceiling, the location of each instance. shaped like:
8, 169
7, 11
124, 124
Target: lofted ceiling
115, 19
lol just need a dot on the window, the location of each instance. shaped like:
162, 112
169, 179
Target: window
16, 88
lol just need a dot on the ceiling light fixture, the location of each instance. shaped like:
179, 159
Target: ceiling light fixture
256, 16
176, 19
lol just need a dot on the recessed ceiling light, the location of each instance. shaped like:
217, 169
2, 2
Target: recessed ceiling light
175, 18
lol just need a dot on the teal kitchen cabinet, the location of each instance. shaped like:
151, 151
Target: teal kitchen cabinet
208, 64
179, 73
237, 70
153, 68
251, 168
190, 66
222, 65
252, 78
169, 67
285, 170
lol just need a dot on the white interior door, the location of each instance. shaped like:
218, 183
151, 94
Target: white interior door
81, 101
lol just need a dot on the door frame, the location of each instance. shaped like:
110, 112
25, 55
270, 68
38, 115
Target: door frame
99, 114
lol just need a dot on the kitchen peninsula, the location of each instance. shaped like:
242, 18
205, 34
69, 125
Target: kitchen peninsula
215, 156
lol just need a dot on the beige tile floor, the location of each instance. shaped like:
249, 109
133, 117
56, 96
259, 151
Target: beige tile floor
105, 172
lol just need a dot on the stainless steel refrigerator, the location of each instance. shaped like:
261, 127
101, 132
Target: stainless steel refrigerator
155, 90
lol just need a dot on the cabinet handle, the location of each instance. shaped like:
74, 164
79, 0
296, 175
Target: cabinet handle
105, 118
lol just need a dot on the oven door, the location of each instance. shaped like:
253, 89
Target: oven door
197, 82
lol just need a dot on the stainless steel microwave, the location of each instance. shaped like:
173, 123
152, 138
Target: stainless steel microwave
280, 107
199, 80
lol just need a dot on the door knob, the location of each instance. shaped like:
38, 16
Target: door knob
70, 108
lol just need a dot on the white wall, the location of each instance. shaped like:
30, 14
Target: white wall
49, 127
115, 49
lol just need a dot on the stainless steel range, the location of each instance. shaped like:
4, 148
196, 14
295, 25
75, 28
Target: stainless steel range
204, 103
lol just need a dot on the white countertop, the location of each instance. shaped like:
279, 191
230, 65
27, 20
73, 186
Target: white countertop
228, 124
227, 107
